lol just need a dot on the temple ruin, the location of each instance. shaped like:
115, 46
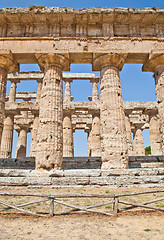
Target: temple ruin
54, 38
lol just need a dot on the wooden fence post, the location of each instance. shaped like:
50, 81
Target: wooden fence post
52, 207
115, 205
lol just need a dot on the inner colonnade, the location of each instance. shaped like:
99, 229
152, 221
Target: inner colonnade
108, 46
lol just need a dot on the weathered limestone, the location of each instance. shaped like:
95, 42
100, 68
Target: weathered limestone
38, 95
128, 135
7, 64
12, 94
138, 142
95, 142
21, 143
155, 136
155, 64
95, 93
67, 93
33, 149
7, 137
113, 132
68, 147
89, 142
50, 130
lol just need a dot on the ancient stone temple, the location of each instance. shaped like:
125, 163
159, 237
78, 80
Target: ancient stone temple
54, 38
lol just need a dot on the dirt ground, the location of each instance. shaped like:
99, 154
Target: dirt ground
135, 224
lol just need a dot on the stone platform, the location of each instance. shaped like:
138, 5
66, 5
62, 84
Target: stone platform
141, 177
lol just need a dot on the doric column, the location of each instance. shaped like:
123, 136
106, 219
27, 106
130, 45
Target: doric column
114, 150
89, 140
33, 149
50, 131
96, 141
138, 142
7, 65
129, 135
7, 134
95, 93
68, 147
155, 136
67, 92
21, 143
39, 89
155, 63
7, 137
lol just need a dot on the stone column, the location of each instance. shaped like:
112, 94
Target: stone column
95, 93
7, 65
7, 137
68, 147
129, 135
67, 93
33, 149
155, 63
155, 137
21, 143
89, 140
12, 94
96, 141
138, 142
114, 150
38, 95
50, 131
7, 134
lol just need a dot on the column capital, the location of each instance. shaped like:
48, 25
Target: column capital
95, 80
53, 59
8, 62
154, 61
115, 59
68, 80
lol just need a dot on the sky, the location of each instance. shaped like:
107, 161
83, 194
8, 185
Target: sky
136, 85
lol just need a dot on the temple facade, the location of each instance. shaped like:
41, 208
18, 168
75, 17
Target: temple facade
54, 38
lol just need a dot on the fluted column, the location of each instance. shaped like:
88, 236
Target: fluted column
129, 135
138, 142
155, 63
33, 149
7, 137
67, 92
39, 89
155, 136
12, 94
68, 147
7, 65
114, 150
50, 130
89, 140
95, 93
96, 141
21, 143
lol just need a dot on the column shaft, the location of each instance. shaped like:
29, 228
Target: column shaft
68, 147
12, 94
21, 144
34, 137
7, 137
129, 136
3, 78
113, 130
96, 142
50, 130
39, 91
159, 79
67, 93
95, 93
155, 137
138, 142
89, 141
